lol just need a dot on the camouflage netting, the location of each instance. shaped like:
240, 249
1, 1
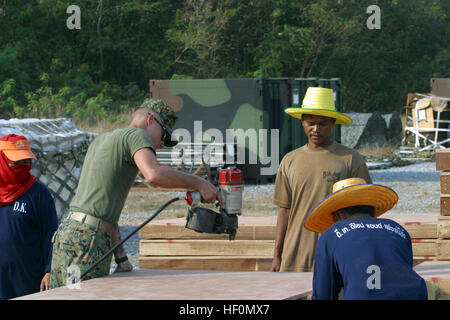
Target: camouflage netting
60, 149
394, 127
366, 129
372, 129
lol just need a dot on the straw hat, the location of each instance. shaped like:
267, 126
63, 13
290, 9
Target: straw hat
16, 147
319, 102
348, 193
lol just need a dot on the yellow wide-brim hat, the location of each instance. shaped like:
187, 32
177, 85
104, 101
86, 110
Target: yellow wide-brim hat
348, 193
319, 102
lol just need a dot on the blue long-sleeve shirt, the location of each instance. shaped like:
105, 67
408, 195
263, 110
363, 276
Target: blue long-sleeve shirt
370, 258
26, 229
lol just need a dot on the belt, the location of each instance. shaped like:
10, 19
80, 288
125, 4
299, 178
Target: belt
90, 220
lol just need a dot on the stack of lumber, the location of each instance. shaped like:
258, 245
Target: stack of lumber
443, 223
167, 244
437, 273
422, 229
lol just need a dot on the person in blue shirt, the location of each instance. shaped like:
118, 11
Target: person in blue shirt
28, 221
369, 257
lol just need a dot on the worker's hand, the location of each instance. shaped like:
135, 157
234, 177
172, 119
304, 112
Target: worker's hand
210, 193
275, 265
125, 266
45, 282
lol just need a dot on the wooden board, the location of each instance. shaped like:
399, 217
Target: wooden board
419, 226
178, 231
445, 182
421, 230
418, 260
443, 249
225, 263
228, 263
437, 277
426, 247
207, 247
187, 285
443, 159
443, 227
445, 204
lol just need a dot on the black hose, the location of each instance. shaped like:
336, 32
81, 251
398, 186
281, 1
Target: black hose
129, 236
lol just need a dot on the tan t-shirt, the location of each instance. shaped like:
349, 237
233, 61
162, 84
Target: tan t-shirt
305, 176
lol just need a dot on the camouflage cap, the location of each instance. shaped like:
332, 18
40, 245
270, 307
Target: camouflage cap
166, 114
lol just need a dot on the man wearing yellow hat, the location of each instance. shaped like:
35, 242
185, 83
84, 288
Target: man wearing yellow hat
369, 258
306, 175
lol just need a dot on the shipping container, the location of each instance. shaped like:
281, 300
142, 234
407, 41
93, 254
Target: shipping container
252, 109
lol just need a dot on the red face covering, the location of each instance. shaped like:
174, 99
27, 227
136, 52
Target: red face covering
14, 180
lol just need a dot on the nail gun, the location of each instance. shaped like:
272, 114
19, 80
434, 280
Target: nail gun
226, 220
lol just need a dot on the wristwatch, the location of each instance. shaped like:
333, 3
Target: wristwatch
120, 260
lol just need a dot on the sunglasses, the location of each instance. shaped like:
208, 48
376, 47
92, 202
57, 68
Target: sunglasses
165, 134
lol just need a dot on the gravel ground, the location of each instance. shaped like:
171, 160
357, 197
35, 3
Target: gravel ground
417, 186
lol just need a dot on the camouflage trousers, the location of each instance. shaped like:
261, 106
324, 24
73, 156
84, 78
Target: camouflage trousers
77, 246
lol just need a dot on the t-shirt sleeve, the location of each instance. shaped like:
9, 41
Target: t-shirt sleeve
282, 192
49, 223
359, 168
136, 140
326, 279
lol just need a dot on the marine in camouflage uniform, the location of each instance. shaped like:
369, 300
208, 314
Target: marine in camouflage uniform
83, 245
109, 170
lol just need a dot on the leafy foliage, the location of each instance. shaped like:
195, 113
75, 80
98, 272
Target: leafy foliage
47, 70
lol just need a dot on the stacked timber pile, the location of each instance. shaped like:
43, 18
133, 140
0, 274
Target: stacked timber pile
443, 243
169, 245
422, 229
437, 273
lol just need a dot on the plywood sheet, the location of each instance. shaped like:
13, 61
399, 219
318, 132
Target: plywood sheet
187, 285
